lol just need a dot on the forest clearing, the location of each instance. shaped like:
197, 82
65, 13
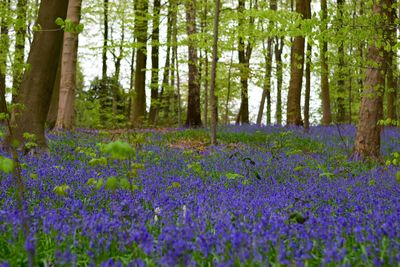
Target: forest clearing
199, 133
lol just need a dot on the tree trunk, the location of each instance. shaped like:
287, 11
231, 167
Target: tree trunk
19, 49
308, 89
296, 73
4, 49
213, 98
104, 86
38, 82
341, 110
154, 61
193, 110
55, 96
308, 77
279, 78
68, 69
368, 136
229, 91
139, 100
244, 52
266, 94
325, 93
392, 68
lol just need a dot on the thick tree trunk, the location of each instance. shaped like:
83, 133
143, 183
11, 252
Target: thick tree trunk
325, 91
154, 61
68, 69
193, 110
296, 73
139, 100
19, 49
38, 82
368, 136
4, 49
279, 78
341, 110
213, 98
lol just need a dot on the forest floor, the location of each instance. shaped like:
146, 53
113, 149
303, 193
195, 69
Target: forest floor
264, 195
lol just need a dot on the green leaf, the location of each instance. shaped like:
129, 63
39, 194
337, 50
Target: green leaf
6, 164
233, 176
111, 183
60, 22
99, 184
398, 177
91, 181
118, 150
62, 190
100, 161
124, 184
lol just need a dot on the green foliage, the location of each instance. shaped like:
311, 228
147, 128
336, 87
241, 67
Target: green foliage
118, 150
69, 26
62, 190
6, 164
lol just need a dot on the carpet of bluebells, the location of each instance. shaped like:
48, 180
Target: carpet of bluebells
265, 196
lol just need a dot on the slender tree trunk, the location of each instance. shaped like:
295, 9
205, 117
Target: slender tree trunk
308, 77
213, 98
368, 136
4, 49
308, 89
244, 52
296, 73
193, 111
206, 74
325, 91
19, 49
229, 91
341, 110
38, 82
68, 69
279, 78
165, 92
131, 81
266, 94
104, 86
154, 61
392, 68
139, 100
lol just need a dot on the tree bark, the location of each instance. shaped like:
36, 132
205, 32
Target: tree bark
38, 82
307, 93
341, 110
193, 110
4, 49
392, 68
367, 144
154, 61
19, 48
139, 100
68, 69
214, 74
296, 73
325, 91
279, 78
55, 96
244, 52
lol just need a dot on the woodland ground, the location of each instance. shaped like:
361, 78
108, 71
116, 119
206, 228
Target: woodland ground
264, 196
